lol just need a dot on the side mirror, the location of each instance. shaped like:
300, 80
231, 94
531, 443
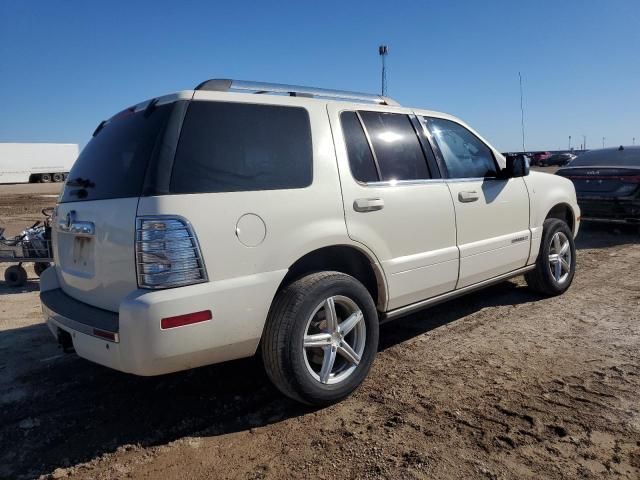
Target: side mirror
517, 166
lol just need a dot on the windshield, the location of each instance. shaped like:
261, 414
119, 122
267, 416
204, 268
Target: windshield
114, 162
629, 157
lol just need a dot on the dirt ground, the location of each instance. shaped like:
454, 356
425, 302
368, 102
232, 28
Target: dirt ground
502, 384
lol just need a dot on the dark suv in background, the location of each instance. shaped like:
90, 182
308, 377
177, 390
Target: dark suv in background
607, 184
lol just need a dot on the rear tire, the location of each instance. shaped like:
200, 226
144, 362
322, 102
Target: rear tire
556, 263
320, 338
15, 276
58, 177
45, 178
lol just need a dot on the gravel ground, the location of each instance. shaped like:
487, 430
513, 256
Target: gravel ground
499, 384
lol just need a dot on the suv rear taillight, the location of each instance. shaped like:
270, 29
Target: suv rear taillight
167, 253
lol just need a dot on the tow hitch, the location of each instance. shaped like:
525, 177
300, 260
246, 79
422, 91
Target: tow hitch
64, 340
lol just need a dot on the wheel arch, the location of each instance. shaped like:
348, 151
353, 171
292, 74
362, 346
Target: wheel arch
564, 212
348, 259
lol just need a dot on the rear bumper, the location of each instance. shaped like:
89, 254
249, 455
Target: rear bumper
613, 210
139, 346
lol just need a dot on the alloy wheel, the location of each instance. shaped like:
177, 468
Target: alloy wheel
334, 340
560, 257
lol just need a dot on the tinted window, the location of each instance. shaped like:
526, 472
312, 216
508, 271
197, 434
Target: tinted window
464, 154
396, 146
628, 157
114, 162
227, 147
361, 160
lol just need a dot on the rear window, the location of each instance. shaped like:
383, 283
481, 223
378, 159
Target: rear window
228, 147
114, 162
629, 157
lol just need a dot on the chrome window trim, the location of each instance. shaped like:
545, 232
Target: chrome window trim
402, 183
373, 152
471, 179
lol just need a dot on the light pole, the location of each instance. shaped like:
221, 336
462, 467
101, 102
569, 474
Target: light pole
634, 141
602, 142
383, 52
522, 113
569, 142
584, 142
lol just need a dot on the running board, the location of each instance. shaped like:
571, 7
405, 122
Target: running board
402, 311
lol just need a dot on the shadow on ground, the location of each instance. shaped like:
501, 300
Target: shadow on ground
32, 285
60, 410
604, 235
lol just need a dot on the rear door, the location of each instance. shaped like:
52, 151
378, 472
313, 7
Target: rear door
395, 202
94, 226
492, 214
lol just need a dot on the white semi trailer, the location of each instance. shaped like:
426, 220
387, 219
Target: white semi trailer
36, 162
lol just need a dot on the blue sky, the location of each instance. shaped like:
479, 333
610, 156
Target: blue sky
67, 64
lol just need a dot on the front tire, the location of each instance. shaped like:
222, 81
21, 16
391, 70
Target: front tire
320, 338
556, 263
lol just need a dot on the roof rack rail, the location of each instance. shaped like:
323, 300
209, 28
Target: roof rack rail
228, 85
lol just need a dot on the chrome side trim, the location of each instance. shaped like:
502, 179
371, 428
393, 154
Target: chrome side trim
402, 311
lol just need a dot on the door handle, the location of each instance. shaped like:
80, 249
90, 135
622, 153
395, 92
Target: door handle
466, 197
368, 204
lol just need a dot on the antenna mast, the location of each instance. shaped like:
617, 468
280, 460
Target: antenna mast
383, 51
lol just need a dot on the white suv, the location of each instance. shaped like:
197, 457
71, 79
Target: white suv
209, 224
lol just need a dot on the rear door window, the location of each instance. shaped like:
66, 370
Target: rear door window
114, 162
228, 147
396, 146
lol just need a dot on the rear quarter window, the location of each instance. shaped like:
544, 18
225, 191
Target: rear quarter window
228, 147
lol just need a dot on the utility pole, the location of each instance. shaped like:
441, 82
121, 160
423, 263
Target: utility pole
383, 52
524, 150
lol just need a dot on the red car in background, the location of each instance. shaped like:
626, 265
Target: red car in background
540, 157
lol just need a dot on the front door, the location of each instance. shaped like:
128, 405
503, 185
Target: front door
395, 202
492, 214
